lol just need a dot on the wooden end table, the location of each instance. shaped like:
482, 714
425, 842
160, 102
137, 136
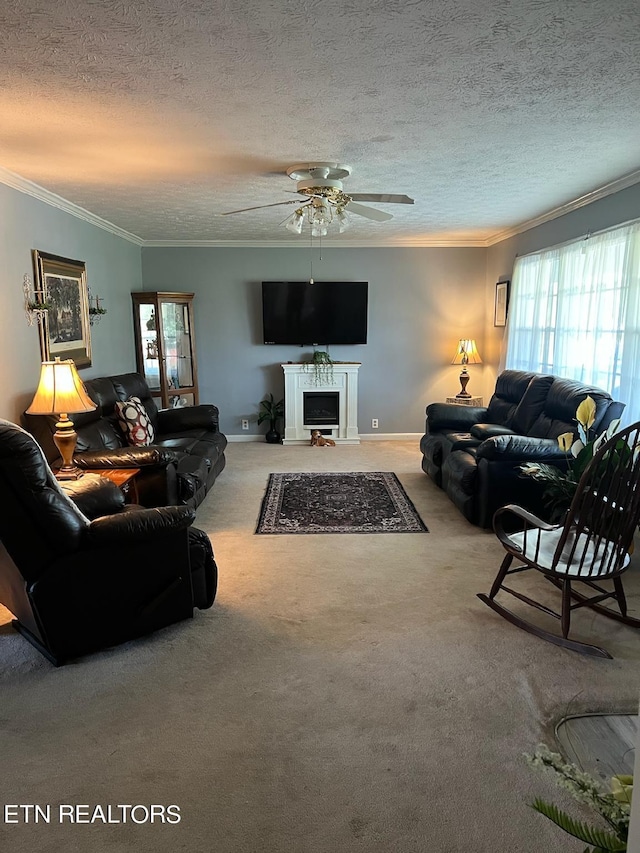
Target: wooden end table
123, 478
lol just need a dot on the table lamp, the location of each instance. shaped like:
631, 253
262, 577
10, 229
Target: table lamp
59, 392
467, 353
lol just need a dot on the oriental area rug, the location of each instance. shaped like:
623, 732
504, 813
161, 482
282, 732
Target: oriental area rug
358, 502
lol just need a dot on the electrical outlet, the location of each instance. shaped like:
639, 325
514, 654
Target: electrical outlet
245, 423
374, 423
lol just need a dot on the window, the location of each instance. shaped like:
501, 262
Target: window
575, 312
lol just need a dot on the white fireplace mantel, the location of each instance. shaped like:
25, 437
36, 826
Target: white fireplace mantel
300, 378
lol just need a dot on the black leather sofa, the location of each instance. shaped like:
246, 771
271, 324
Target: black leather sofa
80, 570
474, 453
178, 468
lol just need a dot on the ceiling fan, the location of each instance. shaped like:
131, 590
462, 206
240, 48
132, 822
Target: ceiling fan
321, 186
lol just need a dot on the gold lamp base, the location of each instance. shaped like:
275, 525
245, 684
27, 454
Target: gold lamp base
65, 438
464, 379
467, 353
59, 391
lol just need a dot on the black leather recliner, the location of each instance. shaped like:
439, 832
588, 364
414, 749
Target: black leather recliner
180, 466
80, 570
474, 453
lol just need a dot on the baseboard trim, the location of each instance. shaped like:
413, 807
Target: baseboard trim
390, 436
372, 436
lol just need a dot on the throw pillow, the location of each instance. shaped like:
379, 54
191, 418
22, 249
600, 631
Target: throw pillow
134, 422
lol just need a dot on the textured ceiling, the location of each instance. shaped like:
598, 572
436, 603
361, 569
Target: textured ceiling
159, 115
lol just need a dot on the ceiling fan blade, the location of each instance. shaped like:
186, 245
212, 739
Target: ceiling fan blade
260, 206
387, 198
368, 212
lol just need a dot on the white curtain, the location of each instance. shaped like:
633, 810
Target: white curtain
575, 312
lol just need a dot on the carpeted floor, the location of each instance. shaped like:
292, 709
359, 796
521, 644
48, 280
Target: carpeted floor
348, 502
345, 693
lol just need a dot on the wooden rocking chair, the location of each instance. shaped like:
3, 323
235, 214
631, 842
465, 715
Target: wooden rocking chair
591, 546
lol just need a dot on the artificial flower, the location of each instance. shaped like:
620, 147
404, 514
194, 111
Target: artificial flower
562, 483
622, 788
565, 441
613, 807
586, 412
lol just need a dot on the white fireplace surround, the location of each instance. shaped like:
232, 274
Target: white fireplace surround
300, 378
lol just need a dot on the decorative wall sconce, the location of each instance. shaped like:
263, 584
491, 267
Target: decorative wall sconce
96, 310
35, 308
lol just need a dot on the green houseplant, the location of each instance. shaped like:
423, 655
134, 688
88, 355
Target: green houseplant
612, 806
561, 484
272, 411
321, 365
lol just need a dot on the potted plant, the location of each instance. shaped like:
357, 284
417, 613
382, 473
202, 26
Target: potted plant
561, 485
271, 411
612, 806
321, 365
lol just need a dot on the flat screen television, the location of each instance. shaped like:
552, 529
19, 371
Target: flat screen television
326, 312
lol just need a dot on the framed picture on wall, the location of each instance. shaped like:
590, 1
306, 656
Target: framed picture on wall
501, 304
62, 286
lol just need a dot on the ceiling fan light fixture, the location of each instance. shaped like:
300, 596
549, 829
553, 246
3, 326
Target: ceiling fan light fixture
321, 211
295, 222
325, 199
320, 216
343, 220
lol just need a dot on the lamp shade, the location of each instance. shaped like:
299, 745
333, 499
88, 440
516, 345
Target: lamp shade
60, 390
343, 220
467, 353
295, 222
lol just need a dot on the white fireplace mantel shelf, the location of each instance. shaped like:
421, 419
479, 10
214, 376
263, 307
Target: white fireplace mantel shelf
300, 379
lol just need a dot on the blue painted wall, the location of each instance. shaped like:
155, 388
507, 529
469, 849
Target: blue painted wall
113, 270
421, 301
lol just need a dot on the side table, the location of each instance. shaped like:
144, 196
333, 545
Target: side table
123, 478
466, 401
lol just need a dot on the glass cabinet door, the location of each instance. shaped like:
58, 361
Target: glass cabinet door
165, 346
177, 346
150, 349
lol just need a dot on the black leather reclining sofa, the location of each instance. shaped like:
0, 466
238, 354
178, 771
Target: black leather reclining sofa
83, 574
474, 453
178, 468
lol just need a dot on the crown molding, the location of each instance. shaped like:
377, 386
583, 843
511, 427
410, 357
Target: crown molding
601, 192
21, 184
425, 242
11, 179
437, 242
418, 242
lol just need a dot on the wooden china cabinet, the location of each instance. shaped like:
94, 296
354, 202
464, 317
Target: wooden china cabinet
165, 346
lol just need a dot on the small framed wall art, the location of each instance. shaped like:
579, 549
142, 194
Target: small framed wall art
62, 287
501, 303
